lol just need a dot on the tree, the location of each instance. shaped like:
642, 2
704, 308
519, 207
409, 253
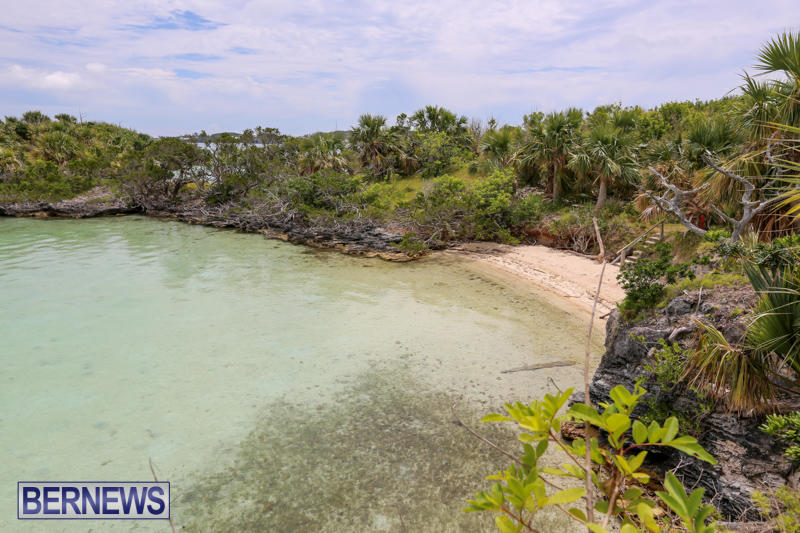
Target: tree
323, 152
549, 144
757, 196
782, 55
157, 174
375, 143
498, 146
608, 154
35, 118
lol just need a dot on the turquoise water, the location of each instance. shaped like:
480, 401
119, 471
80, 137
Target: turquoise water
276, 387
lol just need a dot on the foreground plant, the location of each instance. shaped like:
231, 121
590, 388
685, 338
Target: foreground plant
747, 376
525, 488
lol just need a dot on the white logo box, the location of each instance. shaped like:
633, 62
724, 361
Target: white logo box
87, 500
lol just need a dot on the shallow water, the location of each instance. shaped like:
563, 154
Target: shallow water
276, 387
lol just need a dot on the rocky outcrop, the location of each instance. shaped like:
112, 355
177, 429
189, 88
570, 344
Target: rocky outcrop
748, 459
355, 237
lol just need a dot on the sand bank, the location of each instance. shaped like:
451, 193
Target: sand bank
569, 275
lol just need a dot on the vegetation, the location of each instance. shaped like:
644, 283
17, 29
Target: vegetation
728, 164
747, 375
787, 429
644, 280
726, 170
525, 488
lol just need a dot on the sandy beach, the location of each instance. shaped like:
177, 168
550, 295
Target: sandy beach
569, 275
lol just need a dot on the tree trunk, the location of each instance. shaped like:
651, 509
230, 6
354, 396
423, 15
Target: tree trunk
601, 196
556, 185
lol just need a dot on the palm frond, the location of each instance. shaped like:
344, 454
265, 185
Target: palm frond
730, 373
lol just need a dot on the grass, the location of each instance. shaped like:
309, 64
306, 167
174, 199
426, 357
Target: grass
709, 281
409, 187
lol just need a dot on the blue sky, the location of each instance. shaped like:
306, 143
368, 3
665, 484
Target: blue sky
173, 67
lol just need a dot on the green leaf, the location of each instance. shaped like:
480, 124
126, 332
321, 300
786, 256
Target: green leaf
675, 496
505, 524
566, 496
497, 495
694, 501
645, 513
637, 461
654, 432
689, 445
670, 429
597, 528
639, 432
632, 493
577, 513
542, 447
618, 423
629, 528
621, 396
581, 411
496, 418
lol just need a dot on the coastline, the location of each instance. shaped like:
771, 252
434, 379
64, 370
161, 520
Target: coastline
573, 278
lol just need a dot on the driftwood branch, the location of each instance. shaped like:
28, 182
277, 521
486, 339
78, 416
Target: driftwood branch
153, 471
538, 366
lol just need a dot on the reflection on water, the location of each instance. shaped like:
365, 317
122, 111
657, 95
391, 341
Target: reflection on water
277, 389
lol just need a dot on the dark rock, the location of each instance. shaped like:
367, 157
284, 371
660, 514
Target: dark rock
679, 306
353, 237
748, 459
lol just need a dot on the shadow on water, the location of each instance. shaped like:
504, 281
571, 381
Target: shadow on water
385, 456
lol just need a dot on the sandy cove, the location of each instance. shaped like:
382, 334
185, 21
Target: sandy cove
569, 275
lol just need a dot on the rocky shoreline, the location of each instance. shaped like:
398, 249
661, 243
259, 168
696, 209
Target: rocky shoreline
361, 238
749, 459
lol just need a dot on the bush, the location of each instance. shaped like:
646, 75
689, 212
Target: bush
494, 196
644, 280
787, 429
781, 509
668, 364
529, 210
521, 491
778, 254
716, 235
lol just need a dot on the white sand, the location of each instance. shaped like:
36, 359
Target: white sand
569, 275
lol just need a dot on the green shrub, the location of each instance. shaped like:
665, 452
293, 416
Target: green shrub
668, 364
781, 509
716, 235
411, 245
787, 429
529, 210
526, 487
644, 280
777, 254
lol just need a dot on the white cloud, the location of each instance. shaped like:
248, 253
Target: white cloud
311, 64
40, 79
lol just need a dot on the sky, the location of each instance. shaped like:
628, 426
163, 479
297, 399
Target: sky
173, 67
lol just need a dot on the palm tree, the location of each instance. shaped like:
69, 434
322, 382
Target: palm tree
549, 145
435, 118
782, 55
498, 146
745, 376
323, 151
375, 143
608, 154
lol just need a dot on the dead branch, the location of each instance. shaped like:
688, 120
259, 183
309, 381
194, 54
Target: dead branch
538, 366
